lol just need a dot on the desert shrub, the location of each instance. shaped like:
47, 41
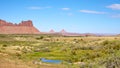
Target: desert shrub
47, 39
86, 47
4, 45
113, 45
18, 54
109, 46
81, 47
87, 56
18, 49
2, 36
45, 50
105, 42
24, 50
41, 37
86, 66
73, 58
42, 49
2, 48
37, 50
76, 40
64, 49
113, 61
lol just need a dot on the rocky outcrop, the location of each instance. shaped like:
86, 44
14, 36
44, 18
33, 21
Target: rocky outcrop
25, 27
63, 31
51, 31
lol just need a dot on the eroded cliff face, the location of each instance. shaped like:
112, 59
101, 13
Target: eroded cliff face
25, 27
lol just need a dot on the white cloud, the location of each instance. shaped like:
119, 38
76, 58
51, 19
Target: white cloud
65, 8
38, 8
116, 16
114, 6
92, 12
34, 8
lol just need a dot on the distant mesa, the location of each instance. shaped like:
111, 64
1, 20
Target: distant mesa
51, 31
63, 31
25, 27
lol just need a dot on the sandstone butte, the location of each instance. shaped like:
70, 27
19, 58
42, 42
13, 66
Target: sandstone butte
63, 31
25, 27
51, 31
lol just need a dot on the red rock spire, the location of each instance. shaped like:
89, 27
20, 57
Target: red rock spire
51, 31
62, 31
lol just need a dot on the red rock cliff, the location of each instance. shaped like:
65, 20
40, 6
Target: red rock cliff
25, 27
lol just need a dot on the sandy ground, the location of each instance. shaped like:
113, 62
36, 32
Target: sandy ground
7, 62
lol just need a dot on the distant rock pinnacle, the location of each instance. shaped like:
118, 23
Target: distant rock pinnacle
51, 31
63, 31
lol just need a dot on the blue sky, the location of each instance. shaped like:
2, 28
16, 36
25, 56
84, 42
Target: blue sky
80, 16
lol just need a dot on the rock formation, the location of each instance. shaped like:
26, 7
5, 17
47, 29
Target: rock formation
51, 31
63, 31
25, 27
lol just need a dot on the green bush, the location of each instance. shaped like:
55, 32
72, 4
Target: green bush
4, 45
41, 37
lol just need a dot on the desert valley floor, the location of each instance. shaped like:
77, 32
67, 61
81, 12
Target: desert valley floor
25, 51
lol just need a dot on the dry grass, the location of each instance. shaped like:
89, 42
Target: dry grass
24, 47
7, 62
